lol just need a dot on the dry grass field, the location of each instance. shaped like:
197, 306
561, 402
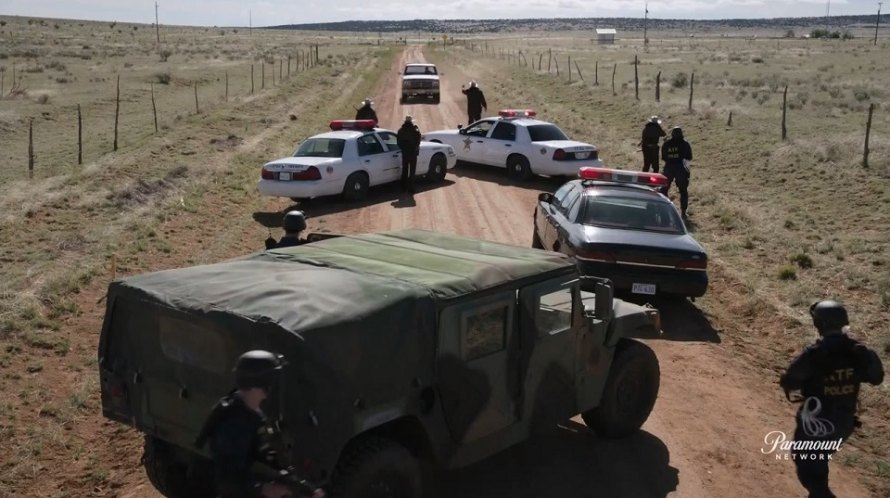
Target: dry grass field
785, 222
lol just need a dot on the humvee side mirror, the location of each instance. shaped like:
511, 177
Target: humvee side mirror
546, 197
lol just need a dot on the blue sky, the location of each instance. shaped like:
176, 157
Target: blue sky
273, 12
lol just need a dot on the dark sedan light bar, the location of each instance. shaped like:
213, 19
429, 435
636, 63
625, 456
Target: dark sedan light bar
622, 176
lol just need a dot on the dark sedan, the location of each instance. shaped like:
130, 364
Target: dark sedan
625, 231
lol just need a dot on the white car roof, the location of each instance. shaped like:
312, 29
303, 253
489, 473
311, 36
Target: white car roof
520, 121
347, 134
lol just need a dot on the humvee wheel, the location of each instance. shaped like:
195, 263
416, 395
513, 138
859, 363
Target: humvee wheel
376, 467
175, 479
629, 394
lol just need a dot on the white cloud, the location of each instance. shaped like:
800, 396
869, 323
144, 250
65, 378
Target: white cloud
275, 12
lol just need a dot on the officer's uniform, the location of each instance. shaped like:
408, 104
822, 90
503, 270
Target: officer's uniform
674, 152
652, 134
366, 112
239, 439
290, 241
475, 103
408, 139
830, 371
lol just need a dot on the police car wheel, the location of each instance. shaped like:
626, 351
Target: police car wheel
518, 168
629, 394
356, 187
376, 467
438, 168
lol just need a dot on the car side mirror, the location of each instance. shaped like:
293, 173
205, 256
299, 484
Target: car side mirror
546, 197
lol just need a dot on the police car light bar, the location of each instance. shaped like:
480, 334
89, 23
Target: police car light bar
517, 113
622, 176
353, 124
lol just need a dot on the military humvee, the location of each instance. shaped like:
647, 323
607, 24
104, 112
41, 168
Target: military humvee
401, 347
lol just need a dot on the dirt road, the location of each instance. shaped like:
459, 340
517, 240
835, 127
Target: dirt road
705, 436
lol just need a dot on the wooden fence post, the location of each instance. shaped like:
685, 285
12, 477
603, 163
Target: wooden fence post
79, 136
2, 76
540, 60
556, 63
871, 110
263, 78
570, 68
251, 78
227, 87
691, 89
614, 70
117, 109
280, 68
636, 79
316, 53
658, 87
549, 58
596, 73
197, 109
288, 66
784, 111
31, 148
579, 71
729, 121
154, 108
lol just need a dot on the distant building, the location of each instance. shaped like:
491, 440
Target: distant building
605, 36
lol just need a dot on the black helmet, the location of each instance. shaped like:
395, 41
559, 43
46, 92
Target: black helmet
828, 316
676, 132
294, 221
256, 368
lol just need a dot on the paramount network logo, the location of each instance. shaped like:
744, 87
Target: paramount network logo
820, 447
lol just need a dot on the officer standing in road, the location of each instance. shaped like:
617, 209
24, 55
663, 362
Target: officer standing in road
241, 439
294, 223
475, 102
652, 133
828, 374
366, 111
677, 154
408, 139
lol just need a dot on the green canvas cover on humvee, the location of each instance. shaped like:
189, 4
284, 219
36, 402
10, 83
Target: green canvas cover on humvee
362, 322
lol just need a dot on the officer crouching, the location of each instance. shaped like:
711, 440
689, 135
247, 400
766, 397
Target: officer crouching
828, 374
294, 224
245, 463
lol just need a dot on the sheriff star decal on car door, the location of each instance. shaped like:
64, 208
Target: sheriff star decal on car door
467, 142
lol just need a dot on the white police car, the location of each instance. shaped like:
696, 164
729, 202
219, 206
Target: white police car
348, 160
525, 146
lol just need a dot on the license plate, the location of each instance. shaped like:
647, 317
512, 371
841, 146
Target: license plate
643, 289
582, 155
284, 175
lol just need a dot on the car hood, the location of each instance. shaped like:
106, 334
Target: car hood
299, 163
567, 145
441, 133
626, 237
421, 77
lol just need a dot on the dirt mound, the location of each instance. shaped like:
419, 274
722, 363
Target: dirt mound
144, 191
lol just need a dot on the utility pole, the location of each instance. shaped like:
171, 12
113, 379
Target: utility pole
645, 22
828, 13
157, 27
878, 23
250, 22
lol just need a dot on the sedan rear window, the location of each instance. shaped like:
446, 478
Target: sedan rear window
632, 213
321, 147
545, 133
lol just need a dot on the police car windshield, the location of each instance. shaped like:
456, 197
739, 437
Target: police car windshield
321, 147
633, 214
545, 133
420, 70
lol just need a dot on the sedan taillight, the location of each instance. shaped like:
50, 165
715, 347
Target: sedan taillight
694, 264
559, 155
594, 255
268, 175
309, 174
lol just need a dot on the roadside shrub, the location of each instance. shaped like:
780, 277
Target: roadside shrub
884, 292
165, 54
42, 98
787, 273
757, 60
790, 34
58, 66
163, 78
860, 94
2, 23
680, 80
802, 260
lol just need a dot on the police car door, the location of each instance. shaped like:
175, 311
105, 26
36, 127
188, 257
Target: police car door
391, 143
547, 227
477, 366
474, 141
374, 159
500, 145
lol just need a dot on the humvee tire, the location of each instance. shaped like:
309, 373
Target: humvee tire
376, 467
629, 394
175, 479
